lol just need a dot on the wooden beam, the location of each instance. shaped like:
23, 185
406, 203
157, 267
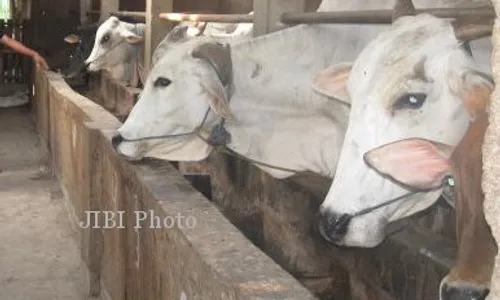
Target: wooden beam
267, 14
222, 18
378, 16
156, 28
133, 14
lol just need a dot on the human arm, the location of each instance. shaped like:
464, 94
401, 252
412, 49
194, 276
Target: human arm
20, 48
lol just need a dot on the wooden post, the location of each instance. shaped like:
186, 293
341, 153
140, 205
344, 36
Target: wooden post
156, 28
267, 13
85, 8
107, 7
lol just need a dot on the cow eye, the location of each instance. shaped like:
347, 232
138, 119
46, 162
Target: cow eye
410, 101
162, 82
105, 39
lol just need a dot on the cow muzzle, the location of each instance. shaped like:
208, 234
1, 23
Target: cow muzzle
333, 227
116, 140
462, 292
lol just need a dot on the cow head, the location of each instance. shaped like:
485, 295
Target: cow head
111, 43
413, 81
75, 71
188, 83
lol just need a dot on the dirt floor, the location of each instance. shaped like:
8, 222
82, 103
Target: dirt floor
39, 254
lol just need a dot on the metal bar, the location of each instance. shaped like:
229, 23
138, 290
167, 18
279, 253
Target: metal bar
221, 18
379, 16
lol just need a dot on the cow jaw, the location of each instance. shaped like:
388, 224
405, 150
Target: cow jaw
185, 149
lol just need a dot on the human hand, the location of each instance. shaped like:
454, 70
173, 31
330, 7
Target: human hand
40, 62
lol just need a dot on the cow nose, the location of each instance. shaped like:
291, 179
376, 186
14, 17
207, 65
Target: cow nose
457, 292
116, 140
333, 227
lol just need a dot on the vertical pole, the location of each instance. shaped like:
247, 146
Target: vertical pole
156, 28
107, 7
268, 12
85, 7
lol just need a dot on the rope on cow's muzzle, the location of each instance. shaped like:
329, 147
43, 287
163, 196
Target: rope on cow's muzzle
447, 181
218, 138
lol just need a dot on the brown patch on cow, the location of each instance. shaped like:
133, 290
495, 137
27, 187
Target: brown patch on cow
477, 99
476, 245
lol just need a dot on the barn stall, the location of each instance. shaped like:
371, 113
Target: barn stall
246, 220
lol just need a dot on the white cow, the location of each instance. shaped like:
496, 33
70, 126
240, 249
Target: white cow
272, 112
119, 48
413, 81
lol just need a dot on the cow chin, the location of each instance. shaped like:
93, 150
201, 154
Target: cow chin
130, 151
363, 231
93, 67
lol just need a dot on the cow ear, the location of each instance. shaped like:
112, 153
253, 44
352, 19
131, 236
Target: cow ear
476, 89
217, 96
72, 39
417, 164
332, 81
131, 37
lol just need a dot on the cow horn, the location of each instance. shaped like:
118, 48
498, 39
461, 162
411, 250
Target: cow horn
468, 29
177, 34
403, 8
219, 56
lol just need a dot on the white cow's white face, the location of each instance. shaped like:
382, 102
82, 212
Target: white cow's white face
112, 39
415, 80
175, 99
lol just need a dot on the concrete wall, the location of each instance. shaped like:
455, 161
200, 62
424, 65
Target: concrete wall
213, 260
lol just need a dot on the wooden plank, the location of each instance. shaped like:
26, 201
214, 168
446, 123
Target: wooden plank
156, 28
267, 14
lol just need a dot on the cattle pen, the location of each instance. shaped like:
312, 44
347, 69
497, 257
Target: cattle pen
222, 228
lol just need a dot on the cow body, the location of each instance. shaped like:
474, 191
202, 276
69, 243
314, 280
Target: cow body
469, 278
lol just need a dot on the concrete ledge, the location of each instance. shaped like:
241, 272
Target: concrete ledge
213, 260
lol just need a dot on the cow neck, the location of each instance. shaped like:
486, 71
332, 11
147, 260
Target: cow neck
220, 138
